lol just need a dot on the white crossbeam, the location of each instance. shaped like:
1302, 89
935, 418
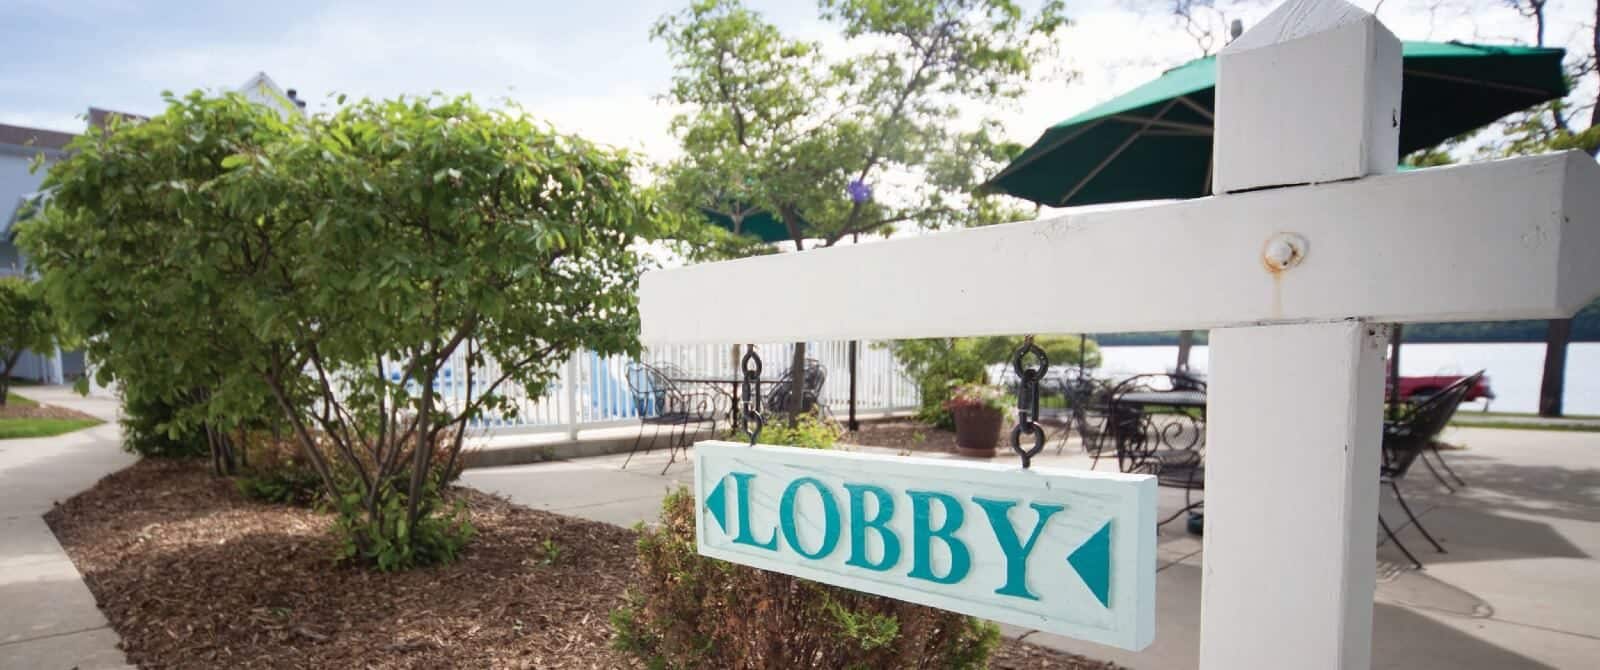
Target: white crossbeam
1509, 239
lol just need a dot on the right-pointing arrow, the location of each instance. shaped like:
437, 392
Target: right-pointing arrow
716, 503
1092, 560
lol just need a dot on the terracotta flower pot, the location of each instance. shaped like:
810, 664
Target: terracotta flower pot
977, 430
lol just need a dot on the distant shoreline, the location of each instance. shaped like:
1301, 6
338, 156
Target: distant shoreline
1171, 340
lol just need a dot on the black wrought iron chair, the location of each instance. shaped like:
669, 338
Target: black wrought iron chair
1405, 440
1168, 443
816, 375
1184, 379
1466, 384
661, 404
1088, 405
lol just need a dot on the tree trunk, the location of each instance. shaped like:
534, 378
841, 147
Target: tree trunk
852, 424
1555, 366
5, 375
421, 454
797, 383
1185, 342
1397, 331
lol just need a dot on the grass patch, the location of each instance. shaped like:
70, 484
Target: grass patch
31, 427
14, 400
1533, 415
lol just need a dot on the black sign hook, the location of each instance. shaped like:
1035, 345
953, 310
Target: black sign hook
752, 393
1028, 399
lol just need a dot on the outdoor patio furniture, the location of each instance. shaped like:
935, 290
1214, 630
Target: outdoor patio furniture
1087, 402
662, 404
1185, 379
1405, 441
1156, 423
777, 400
1466, 385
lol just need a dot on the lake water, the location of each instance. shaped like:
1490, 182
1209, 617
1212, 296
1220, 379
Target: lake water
1513, 369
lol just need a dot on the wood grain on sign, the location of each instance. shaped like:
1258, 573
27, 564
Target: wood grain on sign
1065, 551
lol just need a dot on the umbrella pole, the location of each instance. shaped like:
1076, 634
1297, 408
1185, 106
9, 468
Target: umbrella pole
1083, 352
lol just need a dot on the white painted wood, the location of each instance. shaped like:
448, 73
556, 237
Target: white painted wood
1065, 601
1294, 415
1507, 239
1292, 452
1578, 268
1311, 94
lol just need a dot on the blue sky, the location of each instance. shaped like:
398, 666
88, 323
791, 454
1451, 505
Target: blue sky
586, 67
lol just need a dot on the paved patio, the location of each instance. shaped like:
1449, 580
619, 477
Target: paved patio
1516, 590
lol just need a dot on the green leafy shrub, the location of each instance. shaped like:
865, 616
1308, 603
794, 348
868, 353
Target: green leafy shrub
937, 365
979, 395
384, 538
383, 241
690, 611
940, 365
300, 487
279, 473
809, 431
150, 425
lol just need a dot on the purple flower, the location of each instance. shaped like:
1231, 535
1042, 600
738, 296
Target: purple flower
859, 191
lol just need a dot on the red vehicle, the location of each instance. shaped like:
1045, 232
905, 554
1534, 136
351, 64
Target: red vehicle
1417, 388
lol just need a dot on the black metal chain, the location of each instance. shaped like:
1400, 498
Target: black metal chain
752, 393
1028, 400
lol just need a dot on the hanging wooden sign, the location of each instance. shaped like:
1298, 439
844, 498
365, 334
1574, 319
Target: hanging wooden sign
1065, 551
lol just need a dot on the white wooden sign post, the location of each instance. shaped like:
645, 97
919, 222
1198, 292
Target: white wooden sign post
1309, 246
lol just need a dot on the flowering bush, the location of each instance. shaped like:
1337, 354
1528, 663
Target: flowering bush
965, 396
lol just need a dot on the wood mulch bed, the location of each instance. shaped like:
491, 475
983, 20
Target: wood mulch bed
905, 435
191, 574
914, 436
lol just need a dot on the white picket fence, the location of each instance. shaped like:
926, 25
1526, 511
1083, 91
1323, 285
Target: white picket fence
592, 391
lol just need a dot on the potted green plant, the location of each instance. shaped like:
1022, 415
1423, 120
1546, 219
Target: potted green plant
979, 410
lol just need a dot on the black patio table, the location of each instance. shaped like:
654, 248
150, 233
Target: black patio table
1183, 399
1164, 398
733, 385
1136, 451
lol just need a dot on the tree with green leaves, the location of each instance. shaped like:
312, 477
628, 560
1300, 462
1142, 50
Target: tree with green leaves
332, 266
885, 132
29, 326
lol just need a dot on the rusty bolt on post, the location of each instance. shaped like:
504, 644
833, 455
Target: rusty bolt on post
1283, 251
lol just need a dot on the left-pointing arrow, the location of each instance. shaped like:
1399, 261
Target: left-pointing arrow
716, 503
1092, 560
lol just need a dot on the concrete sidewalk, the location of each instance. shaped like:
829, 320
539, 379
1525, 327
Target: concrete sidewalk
48, 617
1516, 590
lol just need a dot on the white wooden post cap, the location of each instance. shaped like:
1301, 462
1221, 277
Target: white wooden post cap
1311, 94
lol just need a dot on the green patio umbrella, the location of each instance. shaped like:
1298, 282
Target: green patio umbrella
1154, 142
758, 224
